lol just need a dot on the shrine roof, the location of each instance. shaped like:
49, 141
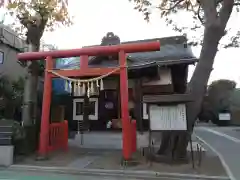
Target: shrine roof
173, 50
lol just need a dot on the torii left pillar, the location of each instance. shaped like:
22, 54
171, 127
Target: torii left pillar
126, 125
44, 135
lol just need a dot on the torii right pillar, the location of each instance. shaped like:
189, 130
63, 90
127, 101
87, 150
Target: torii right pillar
126, 124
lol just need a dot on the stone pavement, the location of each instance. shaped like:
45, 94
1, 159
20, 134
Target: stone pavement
26, 175
82, 159
226, 143
109, 160
35, 175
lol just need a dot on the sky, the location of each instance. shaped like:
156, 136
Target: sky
94, 18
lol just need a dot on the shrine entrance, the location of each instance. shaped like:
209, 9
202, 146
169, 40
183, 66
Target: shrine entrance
97, 73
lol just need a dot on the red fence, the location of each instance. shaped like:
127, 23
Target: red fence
58, 136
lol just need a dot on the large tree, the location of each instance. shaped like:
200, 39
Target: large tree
214, 16
33, 17
217, 99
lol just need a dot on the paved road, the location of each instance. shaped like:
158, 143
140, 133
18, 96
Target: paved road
225, 141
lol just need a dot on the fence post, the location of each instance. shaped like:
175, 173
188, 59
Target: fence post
134, 135
65, 135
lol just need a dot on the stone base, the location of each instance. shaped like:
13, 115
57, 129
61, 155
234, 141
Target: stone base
6, 155
105, 140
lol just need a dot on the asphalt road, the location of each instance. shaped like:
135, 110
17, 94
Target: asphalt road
225, 141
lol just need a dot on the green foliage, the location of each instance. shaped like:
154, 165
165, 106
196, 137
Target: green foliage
219, 94
48, 14
18, 132
218, 98
11, 94
23, 139
235, 98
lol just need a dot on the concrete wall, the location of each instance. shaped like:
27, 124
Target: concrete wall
6, 155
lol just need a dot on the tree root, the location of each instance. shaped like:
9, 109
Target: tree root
174, 146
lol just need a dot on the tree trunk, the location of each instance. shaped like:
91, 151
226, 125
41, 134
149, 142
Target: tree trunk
30, 92
196, 87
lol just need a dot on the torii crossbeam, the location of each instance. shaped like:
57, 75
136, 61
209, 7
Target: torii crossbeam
84, 71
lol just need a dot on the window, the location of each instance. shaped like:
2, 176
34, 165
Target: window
92, 107
78, 109
1, 57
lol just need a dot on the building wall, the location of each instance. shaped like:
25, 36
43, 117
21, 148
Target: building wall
10, 65
164, 79
10, 45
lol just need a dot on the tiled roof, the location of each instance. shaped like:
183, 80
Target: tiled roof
172, 49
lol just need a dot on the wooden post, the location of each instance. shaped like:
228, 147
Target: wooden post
86, 104
44, 134
138, 108
134, 136
126, 125
84, 66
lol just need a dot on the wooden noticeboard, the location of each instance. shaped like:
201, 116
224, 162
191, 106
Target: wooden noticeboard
168, 118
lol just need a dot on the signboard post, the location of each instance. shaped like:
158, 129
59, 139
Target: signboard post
168, 117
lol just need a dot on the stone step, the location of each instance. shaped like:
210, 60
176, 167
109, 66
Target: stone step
103, 141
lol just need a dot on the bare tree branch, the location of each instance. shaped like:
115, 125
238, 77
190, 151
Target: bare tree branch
210, 12
198, 14
173, 6
24, 19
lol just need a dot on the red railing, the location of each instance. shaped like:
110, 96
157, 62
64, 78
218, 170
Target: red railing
58, 136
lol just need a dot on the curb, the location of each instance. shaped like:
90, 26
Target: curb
119, 173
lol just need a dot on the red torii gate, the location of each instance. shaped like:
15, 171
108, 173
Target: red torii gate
84, 71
